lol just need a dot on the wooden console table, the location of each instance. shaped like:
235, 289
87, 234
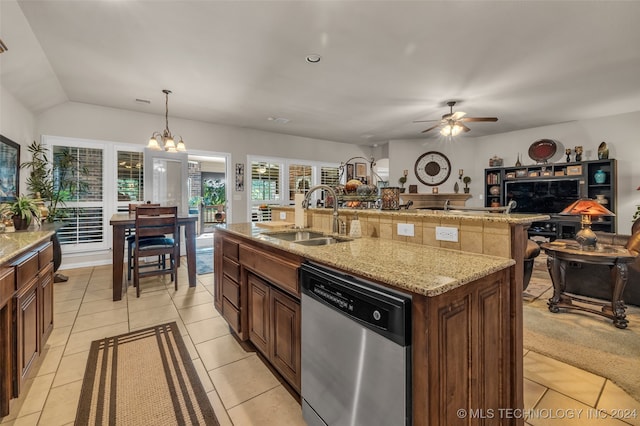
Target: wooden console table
561, 253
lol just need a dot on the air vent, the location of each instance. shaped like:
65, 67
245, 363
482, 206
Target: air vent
279, 120
143, 101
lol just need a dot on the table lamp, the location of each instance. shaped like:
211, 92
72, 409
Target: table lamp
587, 208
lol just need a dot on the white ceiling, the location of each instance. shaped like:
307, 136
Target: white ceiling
384, 63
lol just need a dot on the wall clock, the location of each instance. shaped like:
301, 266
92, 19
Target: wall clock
432, 168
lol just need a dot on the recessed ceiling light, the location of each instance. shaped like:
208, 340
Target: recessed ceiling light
313, 58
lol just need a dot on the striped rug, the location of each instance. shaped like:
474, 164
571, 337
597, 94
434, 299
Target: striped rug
145, 377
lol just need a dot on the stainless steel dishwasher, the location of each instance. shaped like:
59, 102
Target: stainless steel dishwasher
356, 351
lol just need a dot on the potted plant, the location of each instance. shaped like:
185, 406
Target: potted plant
466, 181
23, 211
402, 180
55, 191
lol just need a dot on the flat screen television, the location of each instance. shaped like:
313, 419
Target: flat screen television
549, 196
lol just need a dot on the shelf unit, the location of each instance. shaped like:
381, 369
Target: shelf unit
585, 171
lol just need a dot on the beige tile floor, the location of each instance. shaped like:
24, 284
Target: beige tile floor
241, 389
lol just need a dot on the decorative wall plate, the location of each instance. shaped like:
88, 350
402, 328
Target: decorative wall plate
542, 149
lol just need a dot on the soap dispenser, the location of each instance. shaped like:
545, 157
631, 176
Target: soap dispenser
356, 229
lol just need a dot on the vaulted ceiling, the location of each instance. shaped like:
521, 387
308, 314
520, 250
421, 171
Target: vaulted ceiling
383, 64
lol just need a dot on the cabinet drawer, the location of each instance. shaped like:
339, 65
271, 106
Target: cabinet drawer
7, 284
276, 270
26, 269
231, 314
45, 255
231, 291
231, 269
230, 249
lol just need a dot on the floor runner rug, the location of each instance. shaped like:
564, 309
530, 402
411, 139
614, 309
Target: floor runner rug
145, 377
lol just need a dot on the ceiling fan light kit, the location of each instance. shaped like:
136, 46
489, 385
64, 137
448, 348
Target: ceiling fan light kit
452, 124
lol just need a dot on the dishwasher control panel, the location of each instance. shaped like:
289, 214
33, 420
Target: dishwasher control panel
350, 304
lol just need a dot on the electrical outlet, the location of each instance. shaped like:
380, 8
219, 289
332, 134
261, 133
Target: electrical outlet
445, 233
406, 229
283, 215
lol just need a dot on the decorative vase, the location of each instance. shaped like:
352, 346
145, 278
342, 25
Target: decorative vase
456, 187
518, 163
600, 176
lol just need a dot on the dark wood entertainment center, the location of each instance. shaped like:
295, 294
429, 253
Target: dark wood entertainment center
557, 177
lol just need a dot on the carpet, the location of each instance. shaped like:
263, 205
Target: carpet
145, 377
581, 339
204, 260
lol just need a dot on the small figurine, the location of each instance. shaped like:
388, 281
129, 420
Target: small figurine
568, 152
578, 153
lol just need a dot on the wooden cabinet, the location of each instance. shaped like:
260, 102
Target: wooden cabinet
274, 327
7, 289
228, 294
258, 293
27, 330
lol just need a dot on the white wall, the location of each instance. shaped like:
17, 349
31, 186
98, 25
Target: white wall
620, 132
17, 124
79, 120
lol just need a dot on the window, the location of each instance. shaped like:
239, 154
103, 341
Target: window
78, 177
130, 176
275, 181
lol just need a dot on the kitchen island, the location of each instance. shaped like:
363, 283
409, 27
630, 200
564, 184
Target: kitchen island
464, 325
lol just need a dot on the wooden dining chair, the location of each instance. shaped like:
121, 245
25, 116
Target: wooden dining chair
131, 238
150, 222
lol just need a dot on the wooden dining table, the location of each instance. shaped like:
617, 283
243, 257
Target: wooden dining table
123, 221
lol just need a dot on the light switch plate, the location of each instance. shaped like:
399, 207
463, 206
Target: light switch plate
283, 215
445, 233
406, 229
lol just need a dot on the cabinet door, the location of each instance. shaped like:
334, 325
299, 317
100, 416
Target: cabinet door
27, 331
217, 272
46, 299
7, 288
285, 346
258, 295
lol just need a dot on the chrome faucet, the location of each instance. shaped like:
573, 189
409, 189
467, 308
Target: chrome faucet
332, 192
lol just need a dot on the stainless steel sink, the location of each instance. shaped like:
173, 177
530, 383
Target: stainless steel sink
322, 241
306, 238
296, 235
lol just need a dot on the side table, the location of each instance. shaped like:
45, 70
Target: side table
561, 253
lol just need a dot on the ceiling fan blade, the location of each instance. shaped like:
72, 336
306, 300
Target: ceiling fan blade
424, 121
431, 128
458, 115
469, 119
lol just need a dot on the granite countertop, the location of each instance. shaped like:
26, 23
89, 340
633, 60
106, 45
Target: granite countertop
521, 218
14, 243
421, 269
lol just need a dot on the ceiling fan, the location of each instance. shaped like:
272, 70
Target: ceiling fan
453, 123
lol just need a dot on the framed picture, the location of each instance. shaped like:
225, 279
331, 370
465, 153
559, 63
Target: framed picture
521, 173
9, 169
574, 170
559, 172
349, 171
534, 174
546, 173
361, 170
239, 177
510, 175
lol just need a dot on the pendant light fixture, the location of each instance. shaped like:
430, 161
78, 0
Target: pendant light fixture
165, 141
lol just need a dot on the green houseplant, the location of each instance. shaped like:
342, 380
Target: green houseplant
214, 192
402, 180
23, 211
57, 183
